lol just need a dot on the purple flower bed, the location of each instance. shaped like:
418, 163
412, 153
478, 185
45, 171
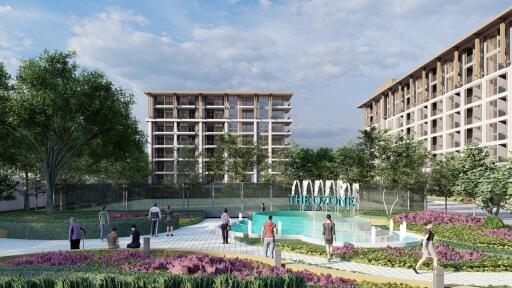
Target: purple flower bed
342, 250
188, 264
446, 253
503, 233
53, 259
437, 217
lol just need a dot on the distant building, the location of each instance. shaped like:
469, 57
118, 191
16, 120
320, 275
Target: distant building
460, 96
180, 118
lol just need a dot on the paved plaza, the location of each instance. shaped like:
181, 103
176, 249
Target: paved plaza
205, 237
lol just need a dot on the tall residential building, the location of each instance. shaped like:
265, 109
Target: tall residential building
459, 96
180, 119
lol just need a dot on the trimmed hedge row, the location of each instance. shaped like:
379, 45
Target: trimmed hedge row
59, 230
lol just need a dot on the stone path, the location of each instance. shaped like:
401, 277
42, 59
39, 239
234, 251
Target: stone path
206, 237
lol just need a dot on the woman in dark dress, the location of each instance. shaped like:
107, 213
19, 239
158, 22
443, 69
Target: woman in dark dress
328, 234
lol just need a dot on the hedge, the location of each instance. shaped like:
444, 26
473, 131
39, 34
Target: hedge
59, 230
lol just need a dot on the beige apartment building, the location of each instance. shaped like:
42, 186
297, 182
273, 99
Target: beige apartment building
460, 96
197, 118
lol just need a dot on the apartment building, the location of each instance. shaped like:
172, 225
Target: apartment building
459, 96
179, 119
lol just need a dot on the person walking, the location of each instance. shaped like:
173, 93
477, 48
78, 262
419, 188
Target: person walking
169, 219
428, 247
103, 217
225, 223
113, 239
268, 232
134, 238
328, 234
154, 216
262, 207
74, 233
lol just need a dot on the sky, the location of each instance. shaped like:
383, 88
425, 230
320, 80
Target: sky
332, 54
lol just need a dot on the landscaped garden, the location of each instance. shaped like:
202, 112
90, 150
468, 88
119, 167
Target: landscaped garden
462, 243
41, 225
168, 269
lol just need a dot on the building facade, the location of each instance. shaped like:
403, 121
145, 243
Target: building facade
179, 119
460, 96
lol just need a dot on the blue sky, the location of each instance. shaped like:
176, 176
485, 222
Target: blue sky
331, 54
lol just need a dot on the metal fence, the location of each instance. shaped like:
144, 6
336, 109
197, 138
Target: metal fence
212, 198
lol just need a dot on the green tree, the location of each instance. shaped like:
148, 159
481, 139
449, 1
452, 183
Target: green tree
187, 165
7, 185
61, 112
495, 188
399, 163
445, 172
351, 163
235, 159
474, 164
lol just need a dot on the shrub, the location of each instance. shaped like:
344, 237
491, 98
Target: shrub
437, 217
493, 222
503, 233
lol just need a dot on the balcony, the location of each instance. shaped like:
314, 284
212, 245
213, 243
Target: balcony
166, 140
246, 102
214, 128
214, 114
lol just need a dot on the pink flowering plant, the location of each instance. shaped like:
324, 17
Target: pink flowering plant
437, 218
503, 233
185, 264
131, 214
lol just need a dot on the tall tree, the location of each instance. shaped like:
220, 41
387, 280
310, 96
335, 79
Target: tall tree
351, 164
445, 172
60, 112
235, 158
399, 165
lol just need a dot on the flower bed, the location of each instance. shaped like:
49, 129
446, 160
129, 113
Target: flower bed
437, 217
461, 231
503, 233
122, 215
451, 258
186, 264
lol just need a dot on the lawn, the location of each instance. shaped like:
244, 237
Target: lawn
40, 225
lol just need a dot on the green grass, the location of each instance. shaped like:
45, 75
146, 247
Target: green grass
40, 225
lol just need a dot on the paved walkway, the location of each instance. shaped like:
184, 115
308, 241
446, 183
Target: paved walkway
205, 237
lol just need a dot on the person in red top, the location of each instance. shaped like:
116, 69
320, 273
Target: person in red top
268, 232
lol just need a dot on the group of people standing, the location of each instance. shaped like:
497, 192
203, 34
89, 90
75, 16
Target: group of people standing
154, 215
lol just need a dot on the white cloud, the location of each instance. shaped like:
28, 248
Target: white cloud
4, 9
326, 51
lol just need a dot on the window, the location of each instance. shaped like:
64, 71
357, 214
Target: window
246, 101
214, 101
164, 139
278, 140
263, 107
247, 127
186, 113
214, 127
279, 127
186, 127
187, 100
186, 139
163, 100
164, 166
247, 114
492, 42
163, 127
233, 127
166, 113
278, 115
278, 101
214, 114
263, 127
163, 153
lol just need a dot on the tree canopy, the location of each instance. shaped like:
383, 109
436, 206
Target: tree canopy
61, 112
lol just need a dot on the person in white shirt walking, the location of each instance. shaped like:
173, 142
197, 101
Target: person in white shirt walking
225, 223
154, 216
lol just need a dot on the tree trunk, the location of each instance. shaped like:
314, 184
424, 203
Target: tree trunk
384, 200
26, 196
48, 173
498, 208
446, 203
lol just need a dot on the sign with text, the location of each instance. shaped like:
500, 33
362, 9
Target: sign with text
323, 200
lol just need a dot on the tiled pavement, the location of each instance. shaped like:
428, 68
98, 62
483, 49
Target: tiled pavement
205, 237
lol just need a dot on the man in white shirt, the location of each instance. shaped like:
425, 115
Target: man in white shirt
154, 216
